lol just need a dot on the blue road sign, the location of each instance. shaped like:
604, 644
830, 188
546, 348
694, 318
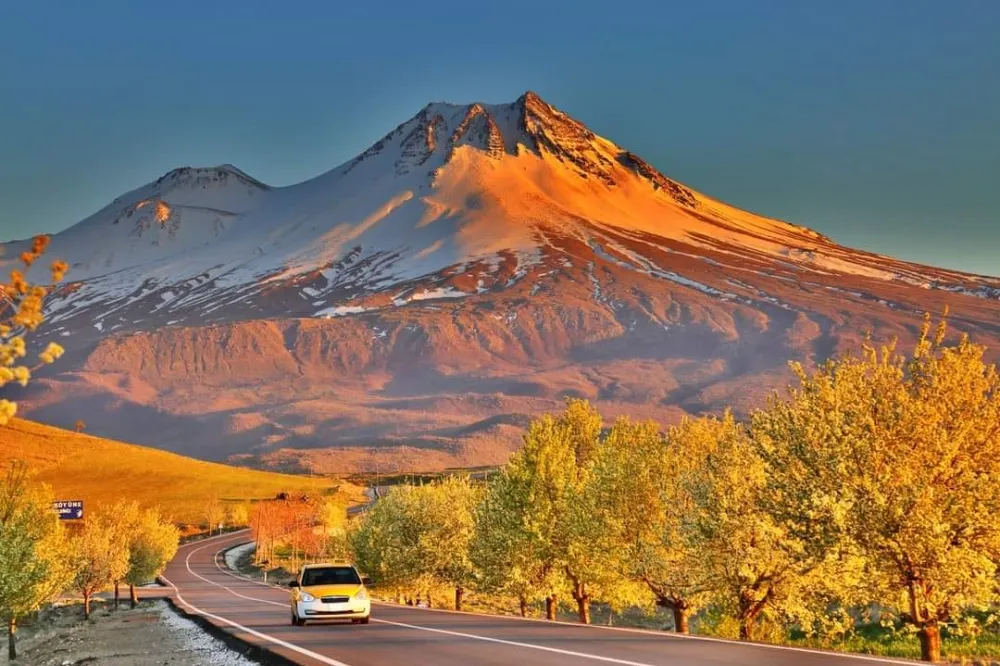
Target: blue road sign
69, 509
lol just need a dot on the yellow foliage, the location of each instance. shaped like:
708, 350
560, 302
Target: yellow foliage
899, 458
21, 311
33, 553
417, 537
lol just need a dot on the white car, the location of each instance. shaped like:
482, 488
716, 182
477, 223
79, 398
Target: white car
329, 592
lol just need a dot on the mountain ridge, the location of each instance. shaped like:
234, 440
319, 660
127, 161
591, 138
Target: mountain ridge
472, 267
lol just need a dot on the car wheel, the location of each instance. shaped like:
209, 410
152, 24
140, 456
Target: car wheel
364, 620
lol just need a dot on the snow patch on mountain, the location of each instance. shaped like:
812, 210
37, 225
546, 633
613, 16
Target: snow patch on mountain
456, 185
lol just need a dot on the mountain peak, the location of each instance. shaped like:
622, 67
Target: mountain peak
530, 97
433, 137
199, 176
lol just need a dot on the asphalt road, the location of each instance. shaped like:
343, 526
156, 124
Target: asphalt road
401, 635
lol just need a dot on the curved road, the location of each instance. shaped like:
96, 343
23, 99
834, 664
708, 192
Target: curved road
259, 614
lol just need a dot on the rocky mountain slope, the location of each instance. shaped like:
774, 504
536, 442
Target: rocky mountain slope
416, 305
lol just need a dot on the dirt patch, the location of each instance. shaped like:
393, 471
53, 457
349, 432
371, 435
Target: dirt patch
150, 635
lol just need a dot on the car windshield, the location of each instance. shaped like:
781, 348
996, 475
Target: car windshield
330, 576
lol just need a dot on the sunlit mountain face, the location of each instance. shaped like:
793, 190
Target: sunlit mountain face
419, 303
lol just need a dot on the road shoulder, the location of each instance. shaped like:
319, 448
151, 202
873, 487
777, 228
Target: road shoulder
150, 635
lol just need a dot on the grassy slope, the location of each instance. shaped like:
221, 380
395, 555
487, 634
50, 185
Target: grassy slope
100, 471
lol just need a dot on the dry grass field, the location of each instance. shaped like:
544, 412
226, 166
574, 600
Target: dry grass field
100, 471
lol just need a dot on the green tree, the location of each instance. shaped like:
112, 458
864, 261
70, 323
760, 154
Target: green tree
152, 545
32, 550
899, 456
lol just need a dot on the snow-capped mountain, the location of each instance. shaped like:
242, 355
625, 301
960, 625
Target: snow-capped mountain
471, 267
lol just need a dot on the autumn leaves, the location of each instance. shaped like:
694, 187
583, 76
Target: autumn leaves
875, 483
20, 312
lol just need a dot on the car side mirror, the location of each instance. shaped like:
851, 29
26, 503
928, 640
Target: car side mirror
366, 580
294, 583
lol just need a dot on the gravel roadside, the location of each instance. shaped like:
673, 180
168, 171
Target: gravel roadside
151, 635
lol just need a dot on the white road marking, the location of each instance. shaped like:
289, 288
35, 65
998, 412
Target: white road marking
271, 639
842, 655
240, 576
544, 648
667, 636
187, 565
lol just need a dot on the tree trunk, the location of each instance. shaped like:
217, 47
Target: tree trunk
746, 628
116, 595
133, 596
930, 643
86, 605
583, 608
551, 603
582, 599
459, 594
680, 619
524, 606
11, 645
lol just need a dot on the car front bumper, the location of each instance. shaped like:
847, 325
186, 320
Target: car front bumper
348, 610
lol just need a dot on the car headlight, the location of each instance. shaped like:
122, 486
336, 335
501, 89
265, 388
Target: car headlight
361, 595
306, 597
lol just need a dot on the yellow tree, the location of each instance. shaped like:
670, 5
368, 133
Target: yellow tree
901, 457
214, 513
559, 455
99, 557
744, 557
152, 545
384, 543
418, 537
636, 492
446, 510
122, 520
21, 312
331, 514
509, 557
238, 514
33, 555
553, 523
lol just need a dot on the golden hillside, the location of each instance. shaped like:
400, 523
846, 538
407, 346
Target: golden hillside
101, 471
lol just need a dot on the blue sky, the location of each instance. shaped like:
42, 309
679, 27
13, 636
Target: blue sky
874, 121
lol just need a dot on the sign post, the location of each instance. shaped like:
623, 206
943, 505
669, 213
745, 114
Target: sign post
69, 509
